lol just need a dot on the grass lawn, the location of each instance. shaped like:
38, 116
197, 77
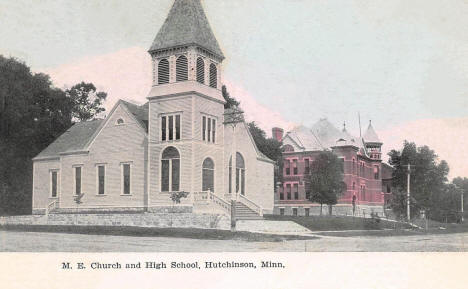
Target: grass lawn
339, 223
191, 233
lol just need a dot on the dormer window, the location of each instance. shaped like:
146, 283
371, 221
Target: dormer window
120, 121
181, 68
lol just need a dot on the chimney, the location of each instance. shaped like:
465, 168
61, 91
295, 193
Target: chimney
277, 133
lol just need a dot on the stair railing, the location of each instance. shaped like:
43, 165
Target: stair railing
220, 203
251, 205
51, 206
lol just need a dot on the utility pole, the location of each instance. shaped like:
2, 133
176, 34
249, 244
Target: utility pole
462, 218
408, 194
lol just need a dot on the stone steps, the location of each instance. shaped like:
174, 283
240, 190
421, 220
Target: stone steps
245, 213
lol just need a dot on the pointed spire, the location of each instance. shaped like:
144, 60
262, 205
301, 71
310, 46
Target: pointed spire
371, 136
186, 24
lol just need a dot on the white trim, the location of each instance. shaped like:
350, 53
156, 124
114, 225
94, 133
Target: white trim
170, 169
122, 179
174, 127
74, 179
97, 179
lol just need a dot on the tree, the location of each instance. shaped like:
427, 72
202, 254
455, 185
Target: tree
325, 183
428, 178
270, 147
32, 115
87, 103
230, 101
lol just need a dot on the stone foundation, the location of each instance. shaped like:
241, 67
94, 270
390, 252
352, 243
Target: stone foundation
157, 210
174, 220
338, 210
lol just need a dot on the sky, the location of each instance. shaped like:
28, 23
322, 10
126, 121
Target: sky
401, 64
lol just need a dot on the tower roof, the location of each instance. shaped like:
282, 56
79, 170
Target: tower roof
371, 136
186, 24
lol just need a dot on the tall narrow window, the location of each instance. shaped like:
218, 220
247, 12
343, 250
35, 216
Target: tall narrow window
77, 181
204, 127
342, 165
288, 191
213, 76
294, 211
163, 128
376, 172
295, 171
214, 130
177, 127
126, 179
296, 191
306, 166
53, 184
101, 179
200, 70
307, 212
287, 164
181, 68
170, 170
281, 194
163, 71
171, 128
208, 175
209, 129
354, 166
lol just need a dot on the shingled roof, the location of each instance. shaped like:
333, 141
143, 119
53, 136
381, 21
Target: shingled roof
77, 137
371, 136
186, 24
74, 139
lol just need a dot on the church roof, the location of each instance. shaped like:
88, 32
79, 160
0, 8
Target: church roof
74, 139
186, 24
77, 137
370, 136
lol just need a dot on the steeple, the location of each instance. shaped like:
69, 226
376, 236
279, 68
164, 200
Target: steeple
370, 136
186, 25
373, 143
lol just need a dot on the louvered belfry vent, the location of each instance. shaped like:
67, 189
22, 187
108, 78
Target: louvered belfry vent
213, 76
163, 71
181, 68
200, 70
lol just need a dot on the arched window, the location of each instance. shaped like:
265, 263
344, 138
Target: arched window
163, 71
240, 174
181, 68
208, 175
170, 170
213, 76
200, 70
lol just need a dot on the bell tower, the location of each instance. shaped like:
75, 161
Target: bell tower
186, 107
373, 143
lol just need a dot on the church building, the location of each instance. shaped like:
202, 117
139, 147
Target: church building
181, 140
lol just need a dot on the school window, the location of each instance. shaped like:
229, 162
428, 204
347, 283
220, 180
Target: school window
296, 191
354, 166
306, 166
287, 168
208, 129
342, 165
126, 179
295, 172
170, 170
294, 211
101, 178
281, 195
53, 184
376, 172
78, 171
288, 191
170, 127
307, 212
281, 211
